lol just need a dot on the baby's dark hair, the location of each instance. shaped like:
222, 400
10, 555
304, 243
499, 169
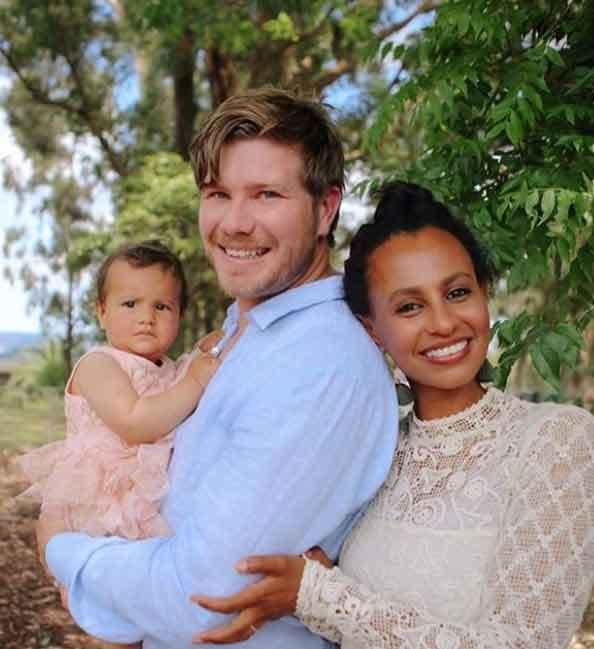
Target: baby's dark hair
405, 208
143, 255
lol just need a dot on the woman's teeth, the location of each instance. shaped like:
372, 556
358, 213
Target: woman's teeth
442, 352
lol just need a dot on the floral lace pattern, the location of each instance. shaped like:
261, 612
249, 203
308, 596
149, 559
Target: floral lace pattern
482, 536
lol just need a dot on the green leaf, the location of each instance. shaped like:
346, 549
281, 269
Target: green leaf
542, 364
463, 23
554, 57
548, 203
525, 110
386, 49
495, 130
514, 128
531, 202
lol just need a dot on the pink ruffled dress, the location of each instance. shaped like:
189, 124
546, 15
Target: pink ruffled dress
104, 485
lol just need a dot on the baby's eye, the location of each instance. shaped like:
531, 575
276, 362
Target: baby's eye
458, 293
129, 304
163, 307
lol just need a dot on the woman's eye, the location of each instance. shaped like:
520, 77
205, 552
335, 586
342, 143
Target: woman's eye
409, 307
458, 293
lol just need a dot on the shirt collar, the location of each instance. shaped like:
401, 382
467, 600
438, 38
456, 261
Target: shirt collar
295, 299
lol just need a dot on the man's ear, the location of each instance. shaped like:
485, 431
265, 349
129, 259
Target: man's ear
327, 210
367, 322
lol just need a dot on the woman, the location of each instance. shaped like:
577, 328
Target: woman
483, 534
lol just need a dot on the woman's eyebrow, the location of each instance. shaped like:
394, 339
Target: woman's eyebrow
416, 290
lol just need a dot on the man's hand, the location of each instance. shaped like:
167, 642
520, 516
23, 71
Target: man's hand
48, 526
268, 599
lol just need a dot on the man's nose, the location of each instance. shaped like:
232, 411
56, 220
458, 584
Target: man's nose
237, 217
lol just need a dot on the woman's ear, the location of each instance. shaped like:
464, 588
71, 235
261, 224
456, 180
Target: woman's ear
367, 322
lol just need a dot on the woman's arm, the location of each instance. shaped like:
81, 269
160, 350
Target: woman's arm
538, 584
539, 579
138, 420
274, 596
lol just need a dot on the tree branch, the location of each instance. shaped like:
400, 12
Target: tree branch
425, 7
332, 74
83, 111
116, 161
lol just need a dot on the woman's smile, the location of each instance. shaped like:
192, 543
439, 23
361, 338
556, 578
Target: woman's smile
429, 312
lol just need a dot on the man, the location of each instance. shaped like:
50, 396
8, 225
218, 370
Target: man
296, 430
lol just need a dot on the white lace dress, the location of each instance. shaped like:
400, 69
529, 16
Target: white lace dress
481, 537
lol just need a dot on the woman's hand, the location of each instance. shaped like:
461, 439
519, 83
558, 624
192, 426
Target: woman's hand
268, 599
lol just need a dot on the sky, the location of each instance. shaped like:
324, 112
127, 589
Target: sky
14, 315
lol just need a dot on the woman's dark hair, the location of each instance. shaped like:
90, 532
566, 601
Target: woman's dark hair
143, 255
405, 208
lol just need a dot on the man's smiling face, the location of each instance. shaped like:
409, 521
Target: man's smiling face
259, 225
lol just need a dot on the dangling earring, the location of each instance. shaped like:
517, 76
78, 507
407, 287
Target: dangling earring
406, 398
486, 374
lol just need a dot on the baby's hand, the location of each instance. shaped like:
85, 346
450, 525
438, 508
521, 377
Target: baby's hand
203, 365
206, 343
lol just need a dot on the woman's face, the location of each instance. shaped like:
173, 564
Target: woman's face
431, 315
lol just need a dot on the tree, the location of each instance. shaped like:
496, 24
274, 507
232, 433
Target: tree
131, 80
504, 95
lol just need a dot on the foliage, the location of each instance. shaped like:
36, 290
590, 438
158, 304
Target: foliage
42, 368
101, 91
28, 420
504, 95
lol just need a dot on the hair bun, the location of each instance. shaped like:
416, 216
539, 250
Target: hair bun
397, 199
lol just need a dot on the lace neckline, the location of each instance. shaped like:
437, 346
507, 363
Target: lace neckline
479, 416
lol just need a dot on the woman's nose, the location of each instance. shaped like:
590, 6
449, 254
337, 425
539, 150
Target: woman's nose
442, 321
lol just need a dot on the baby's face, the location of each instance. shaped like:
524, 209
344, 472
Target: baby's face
141, 310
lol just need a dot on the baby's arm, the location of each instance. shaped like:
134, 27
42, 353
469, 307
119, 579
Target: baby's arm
139, 420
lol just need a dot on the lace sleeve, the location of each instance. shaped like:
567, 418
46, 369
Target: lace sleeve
539, 579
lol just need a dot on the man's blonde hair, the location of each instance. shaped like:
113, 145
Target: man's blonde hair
280, 116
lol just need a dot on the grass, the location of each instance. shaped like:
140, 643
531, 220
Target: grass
27, 421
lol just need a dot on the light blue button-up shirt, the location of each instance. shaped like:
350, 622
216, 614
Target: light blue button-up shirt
293, 436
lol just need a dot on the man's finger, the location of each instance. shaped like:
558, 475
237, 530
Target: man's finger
241, 628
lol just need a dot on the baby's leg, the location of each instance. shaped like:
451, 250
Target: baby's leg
113, 645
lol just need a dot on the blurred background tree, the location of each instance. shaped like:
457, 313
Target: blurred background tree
503, 95
489, 103
106, 94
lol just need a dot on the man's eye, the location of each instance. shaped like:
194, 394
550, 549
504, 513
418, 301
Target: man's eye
216, 194
458, 293
266, 193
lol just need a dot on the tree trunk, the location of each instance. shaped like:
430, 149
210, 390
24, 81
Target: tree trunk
183, 88
221, 76
69, 337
